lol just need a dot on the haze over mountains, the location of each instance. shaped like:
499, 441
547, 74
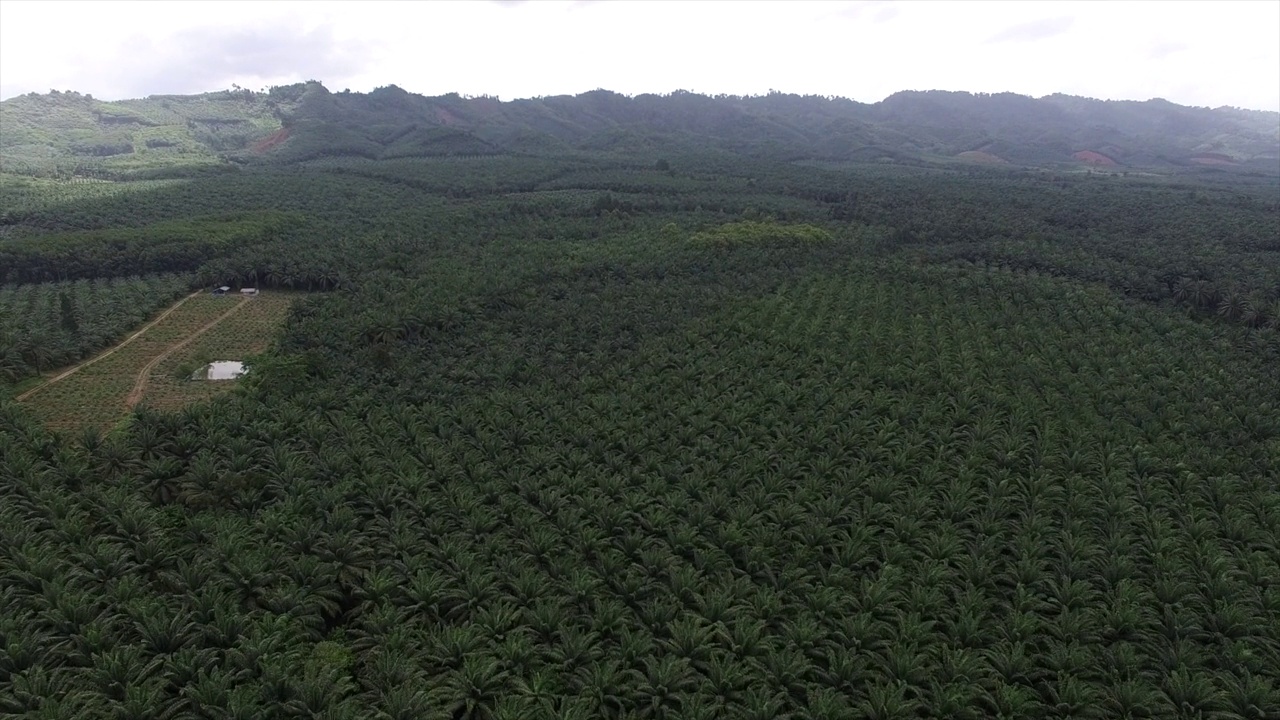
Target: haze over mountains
70, 132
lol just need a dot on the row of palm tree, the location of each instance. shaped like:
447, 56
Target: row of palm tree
1249, 310
48, 325
549, 456
861, 488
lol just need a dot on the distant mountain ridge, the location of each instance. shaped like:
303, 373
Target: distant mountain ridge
306, 121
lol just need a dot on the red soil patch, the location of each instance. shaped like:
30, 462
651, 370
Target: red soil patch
271, 141
980, 156
447, 118
1090, 157
1212, 159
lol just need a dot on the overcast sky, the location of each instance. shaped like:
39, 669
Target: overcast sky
1193, 53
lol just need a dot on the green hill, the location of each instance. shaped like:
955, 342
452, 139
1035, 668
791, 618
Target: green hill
69, 133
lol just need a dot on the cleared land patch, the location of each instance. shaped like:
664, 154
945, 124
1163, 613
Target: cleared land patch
99, 393
1090, 157
1213, 159
981, 156
140, 385
247, 332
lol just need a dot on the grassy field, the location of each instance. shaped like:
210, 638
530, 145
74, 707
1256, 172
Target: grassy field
99, 394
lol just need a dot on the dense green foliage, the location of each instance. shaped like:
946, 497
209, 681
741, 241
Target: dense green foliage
677, 435
180, 245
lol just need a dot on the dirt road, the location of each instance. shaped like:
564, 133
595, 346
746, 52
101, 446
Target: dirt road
140, 385
109, 351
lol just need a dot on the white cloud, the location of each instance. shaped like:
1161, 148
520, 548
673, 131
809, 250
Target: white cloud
1197, 53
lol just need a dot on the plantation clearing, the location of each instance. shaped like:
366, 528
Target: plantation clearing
247, 332
98, 393
1090, 157
140, 385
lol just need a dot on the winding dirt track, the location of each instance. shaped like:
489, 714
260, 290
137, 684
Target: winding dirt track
140, 385
109, 351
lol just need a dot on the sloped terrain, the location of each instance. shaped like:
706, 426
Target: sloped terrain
71, 133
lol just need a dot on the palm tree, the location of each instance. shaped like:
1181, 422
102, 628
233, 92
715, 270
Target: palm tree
473, 691
1250, 694
456, 643
207, 693
1192, 693
664, 683
1254, 312
540, 689
1006, 701
1273, 315
1232, 307
760, 702
11, 365
1204, 295
603, 684
323, 691
1183, 289
164, 632
786, 669
575, 648
121, 668
1131, 699
38, 347
407, 701
888, 701
148, 702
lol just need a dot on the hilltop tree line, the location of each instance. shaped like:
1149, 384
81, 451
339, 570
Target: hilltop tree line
166, 134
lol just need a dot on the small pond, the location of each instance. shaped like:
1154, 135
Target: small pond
222, 370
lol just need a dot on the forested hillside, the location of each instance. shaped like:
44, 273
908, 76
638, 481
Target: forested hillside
679, 407
74, 134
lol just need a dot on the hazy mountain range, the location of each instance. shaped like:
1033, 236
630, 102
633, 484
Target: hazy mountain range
71, 132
